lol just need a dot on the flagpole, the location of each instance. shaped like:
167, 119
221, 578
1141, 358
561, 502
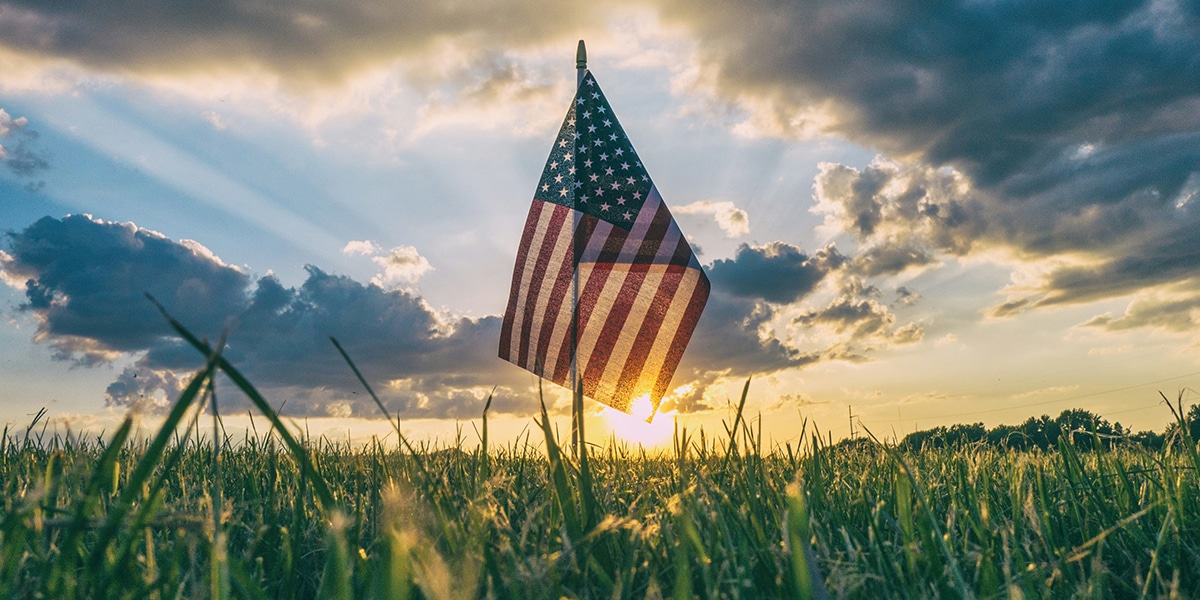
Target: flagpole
576, 389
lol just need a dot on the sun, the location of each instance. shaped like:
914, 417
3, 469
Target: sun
634, 429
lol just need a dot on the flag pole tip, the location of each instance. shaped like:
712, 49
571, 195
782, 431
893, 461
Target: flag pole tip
581, 56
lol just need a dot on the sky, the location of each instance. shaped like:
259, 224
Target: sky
912, 214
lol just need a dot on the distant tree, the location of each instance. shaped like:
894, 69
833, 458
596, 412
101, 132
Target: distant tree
961, 434
1148, 440
927, 438
1008, 437
1080, 425
1192, 420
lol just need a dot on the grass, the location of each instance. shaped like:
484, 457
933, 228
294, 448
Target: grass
191, 513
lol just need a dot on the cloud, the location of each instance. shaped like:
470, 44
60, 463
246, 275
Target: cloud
300, 42
401, 265
84, 281
1175, 312
364, 247
741, 332
1039, 131
860, 319
216, 120
17, 147
777, 272
731, 219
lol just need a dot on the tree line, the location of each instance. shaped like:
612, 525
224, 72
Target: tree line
1080, 427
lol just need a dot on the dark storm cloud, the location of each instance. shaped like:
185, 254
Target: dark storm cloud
305, 40
85, 281
777, 272
732, 335
994, 87
1042, 128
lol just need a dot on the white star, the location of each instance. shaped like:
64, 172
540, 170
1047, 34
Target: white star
562, 143
567, 156
571, 121
621, 200
625, 166
587, 115
607, 123
583, 199
591, 129
644, 178
558, 179
563, 192
616, 186
587, 163
594, 176
545, 187
603, 156
628, 180
628, 215
637, 195
591, 81
600, 110
579, 101
599, 192
608, 171
612, 136
620, 152
599, 143
578, 184
572, 171
554, 165
605, 206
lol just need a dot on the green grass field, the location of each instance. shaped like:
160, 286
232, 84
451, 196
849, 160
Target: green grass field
277, 516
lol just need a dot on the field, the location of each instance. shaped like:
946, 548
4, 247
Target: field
191, 513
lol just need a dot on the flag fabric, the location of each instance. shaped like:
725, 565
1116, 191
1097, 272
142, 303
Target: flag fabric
640, 288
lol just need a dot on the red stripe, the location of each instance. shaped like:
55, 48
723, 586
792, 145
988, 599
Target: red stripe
649, 331
506, 327
541, 265
687, 325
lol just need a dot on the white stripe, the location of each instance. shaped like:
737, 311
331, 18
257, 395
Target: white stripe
535, 247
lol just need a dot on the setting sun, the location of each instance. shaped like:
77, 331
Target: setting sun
634, 428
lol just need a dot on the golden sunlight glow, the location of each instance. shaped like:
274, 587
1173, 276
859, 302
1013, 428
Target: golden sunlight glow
634, 429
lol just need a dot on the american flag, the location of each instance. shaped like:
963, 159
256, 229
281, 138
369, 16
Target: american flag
640, 288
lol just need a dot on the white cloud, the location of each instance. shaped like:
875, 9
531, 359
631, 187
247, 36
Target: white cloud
363, 247
731, 219
402, 265
218, 122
